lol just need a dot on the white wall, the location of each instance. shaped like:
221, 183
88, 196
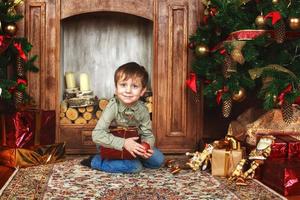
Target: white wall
98, 43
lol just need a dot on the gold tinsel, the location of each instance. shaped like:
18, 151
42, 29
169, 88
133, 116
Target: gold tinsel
256, 72
12, 10
236, 53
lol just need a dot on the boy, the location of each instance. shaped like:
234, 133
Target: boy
125, 109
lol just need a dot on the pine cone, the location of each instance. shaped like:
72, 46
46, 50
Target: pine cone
287, 112
280, 34
229, 66
20, 67
18, 97
226, 107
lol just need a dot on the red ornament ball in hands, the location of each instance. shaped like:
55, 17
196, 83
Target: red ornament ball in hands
146, 146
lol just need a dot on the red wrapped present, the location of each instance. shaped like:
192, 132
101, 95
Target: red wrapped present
293, 146
282, 175
27, 128
113, 154
278, 149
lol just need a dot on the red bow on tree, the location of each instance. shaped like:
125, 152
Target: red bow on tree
288, 89
220, 94
275, 15
18, 46
192, 82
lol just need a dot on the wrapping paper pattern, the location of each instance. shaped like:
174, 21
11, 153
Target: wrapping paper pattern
27, 128
282, 175
108, 153
224, 162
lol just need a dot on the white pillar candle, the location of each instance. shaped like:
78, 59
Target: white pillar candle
70, 80
84, 82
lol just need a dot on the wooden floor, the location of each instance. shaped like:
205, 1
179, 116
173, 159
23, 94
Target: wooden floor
5, 173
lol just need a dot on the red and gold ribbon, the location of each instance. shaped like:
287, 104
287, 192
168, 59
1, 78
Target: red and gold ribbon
251, 35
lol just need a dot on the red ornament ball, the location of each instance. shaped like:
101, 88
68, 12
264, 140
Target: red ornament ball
146, 146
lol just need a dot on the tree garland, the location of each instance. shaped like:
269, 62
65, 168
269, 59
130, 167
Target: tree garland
14, 61
248, 45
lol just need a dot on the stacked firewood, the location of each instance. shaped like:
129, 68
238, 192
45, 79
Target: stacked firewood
81, 114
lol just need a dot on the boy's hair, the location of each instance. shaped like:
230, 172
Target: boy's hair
132, 70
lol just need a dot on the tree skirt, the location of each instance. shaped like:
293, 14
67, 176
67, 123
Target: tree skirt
70, 180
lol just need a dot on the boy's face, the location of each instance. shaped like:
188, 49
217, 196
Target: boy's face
129, 91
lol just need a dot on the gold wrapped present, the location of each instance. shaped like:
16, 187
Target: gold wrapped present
225, 161
36, 155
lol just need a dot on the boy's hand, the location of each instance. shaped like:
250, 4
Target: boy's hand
133, 147
148, 154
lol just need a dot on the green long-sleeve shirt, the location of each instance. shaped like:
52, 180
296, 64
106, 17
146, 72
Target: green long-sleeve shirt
118, 114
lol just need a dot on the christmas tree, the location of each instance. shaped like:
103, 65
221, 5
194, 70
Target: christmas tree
14, 61
244, 46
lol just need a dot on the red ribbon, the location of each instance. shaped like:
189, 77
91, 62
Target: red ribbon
18, 46
1, 39
12, 89
223, 51
21, 81
191, 82
283, 93
205, 19
275, 15
297, 101
220, 94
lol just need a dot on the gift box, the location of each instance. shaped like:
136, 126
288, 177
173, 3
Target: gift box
293, 146
35, 155
27, 128
113, 154
225, 161
279, 149
282, 175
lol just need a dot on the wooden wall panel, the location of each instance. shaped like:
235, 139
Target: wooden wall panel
177, 117
35, 31
177, 70
76, 7
40, 29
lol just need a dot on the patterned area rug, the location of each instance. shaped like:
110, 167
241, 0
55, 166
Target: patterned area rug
70, 180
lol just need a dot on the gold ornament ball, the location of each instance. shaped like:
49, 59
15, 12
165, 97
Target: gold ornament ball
201, 50
275, 99
240, 95
294, 23
260, 21
10, 29
275, 1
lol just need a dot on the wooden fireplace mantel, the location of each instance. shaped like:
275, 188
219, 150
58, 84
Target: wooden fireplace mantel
75, 7
177, 117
